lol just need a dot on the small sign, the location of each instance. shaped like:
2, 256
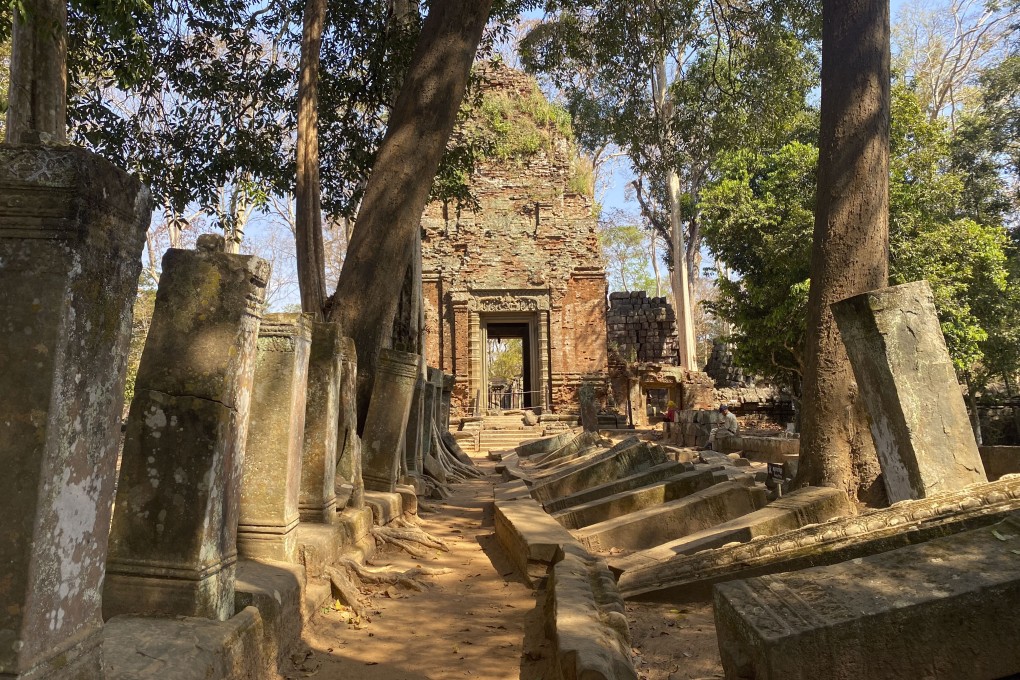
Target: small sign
776, 471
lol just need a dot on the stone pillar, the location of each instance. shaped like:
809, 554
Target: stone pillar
348, 441
448, 382
589, 407
540, 401
72, 228
386, 422
476, 400
272, 461
173, 542
317, 500
412, 463
915, 407
433, 397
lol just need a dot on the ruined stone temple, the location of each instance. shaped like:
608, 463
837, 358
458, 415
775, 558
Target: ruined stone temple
522, 263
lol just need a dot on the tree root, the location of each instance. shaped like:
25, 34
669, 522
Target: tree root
346, 590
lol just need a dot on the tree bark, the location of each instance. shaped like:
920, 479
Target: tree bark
37, 99
420, 124
850, 253
311, 256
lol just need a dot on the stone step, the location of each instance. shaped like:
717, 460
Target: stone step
941, 609
667, 522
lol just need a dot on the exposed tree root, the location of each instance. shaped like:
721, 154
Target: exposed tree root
345, 589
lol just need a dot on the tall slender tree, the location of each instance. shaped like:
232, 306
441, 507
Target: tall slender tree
37, 105
850, 252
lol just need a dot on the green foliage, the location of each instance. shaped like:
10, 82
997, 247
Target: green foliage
625, 246
506, 358
759, 219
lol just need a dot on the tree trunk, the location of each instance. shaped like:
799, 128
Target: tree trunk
655, 263
419, 128
975, 417
850, 253
37, 97
311, 256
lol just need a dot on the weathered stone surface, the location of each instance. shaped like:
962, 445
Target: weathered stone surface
386, 423
531, 539
586, 620
411, 462
690, 577
808, 505
761, 449
173, 543
918, 419
626, 502
72, 228
941, 609
444, 408
667, 522
572, 449
186, 648
317, 499
348, 443
537, 447
433, 406
589, 407
272, 463
1000, 460
599, 470
652, 475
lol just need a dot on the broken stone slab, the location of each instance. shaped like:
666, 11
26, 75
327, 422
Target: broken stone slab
918, 420
586, 620
348, 443
573, 448
317, 500
761, 449
626, 502
675, 519
72, 227
535, 447
271, 480
652, 475
531, 539
173, 542
510, 491
386, 422
945, 608
686, 578
586, 455
808, 505
599, 470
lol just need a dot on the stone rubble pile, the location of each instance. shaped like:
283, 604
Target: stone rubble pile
641, 329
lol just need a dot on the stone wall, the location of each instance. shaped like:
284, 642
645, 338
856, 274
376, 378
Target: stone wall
526, 252
641, 328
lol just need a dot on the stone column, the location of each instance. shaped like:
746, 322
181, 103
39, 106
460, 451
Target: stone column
348, 441
173, 543
915, 407
544, 375
412, 464
317, 500
386, 422
448, 382
272, 461
476, 400
72, 228
433, 396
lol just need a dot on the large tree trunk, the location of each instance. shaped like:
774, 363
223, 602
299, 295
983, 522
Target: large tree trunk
311, 257
850, 254
420, 124
38, 88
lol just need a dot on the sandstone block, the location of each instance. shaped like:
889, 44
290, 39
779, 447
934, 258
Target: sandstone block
918, 419
531, 539
599, 470
348, 444
317, 499
386, 422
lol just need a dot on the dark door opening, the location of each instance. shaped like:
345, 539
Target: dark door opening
508, 367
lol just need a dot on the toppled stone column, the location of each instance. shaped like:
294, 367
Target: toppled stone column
386, 423
918, 419
272, 461
348, 442
173, 543
72, 228
317, 500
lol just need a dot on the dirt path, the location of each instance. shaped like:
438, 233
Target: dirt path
477, 621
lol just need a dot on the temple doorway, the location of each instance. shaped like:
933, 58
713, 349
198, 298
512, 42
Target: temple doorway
509, 380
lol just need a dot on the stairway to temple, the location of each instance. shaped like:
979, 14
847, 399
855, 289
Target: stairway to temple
501, 432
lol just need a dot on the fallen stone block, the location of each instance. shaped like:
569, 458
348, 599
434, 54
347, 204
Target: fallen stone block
1000, 460
809, 505
542, 445
386, 507
510, 491
761, 449
573, 448
276, 590
918, 420
675, 519
628, 502
652, 475
686, 578
599, 470
586, 621
941, 609
532, 539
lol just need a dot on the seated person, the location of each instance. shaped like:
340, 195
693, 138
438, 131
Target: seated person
729, 427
